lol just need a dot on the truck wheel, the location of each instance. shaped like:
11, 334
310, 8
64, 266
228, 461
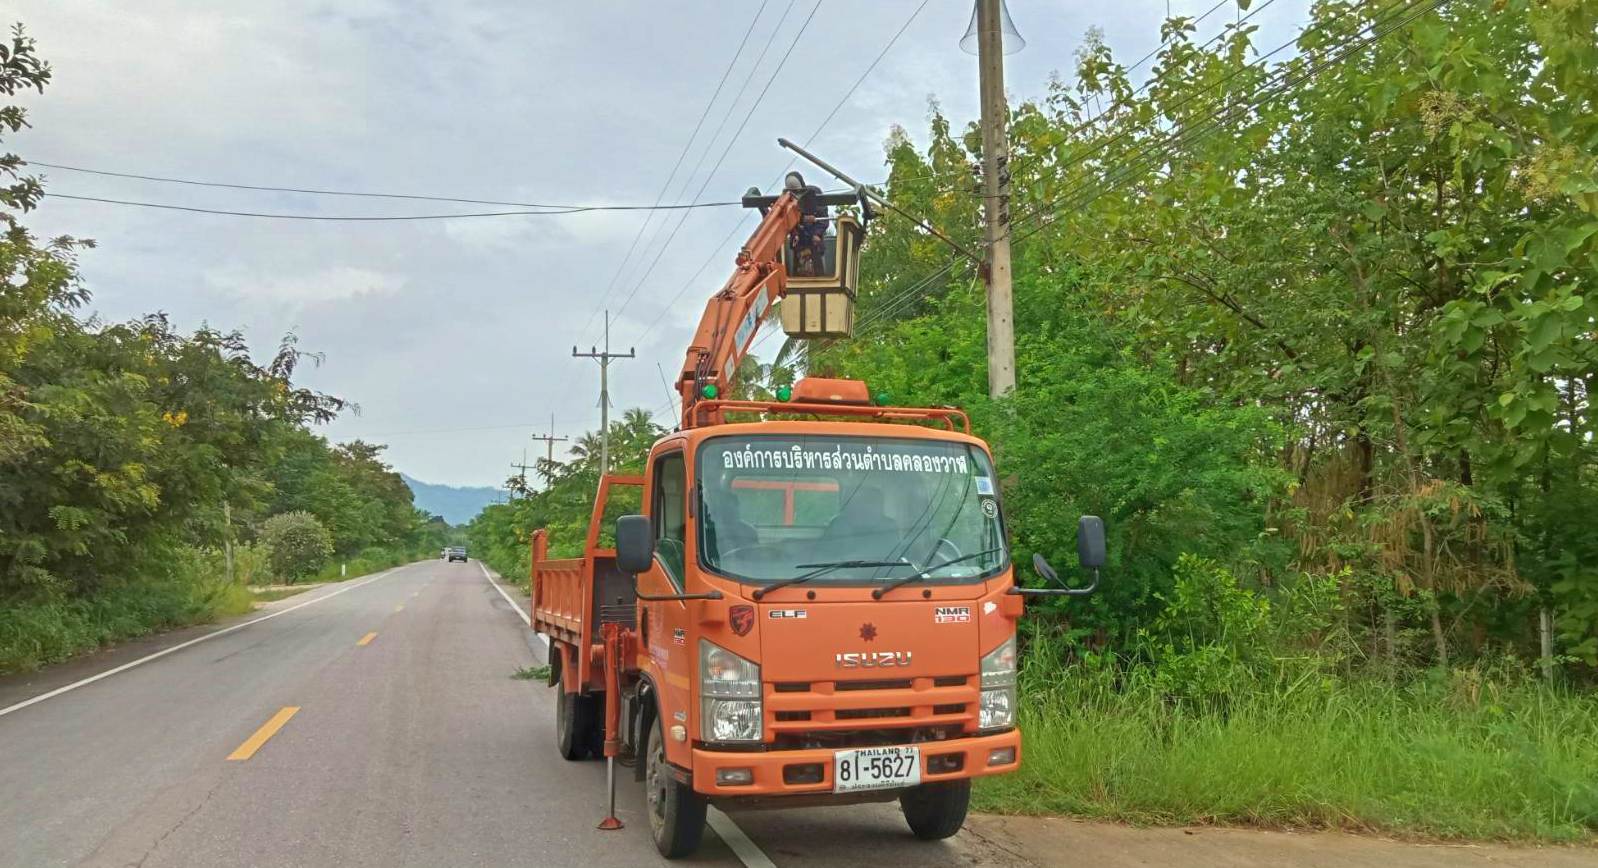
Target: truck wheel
676, 812
574, 722
936, 811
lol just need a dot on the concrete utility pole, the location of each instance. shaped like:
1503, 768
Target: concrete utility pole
521, 470
550, 439
227, 539
996, 197
604, 358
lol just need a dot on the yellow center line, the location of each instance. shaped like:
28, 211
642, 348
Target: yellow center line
367, 639
267, 730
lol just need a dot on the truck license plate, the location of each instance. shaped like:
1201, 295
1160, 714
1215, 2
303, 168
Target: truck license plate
875, 768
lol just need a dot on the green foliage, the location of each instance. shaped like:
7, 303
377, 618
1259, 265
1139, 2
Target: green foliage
298, 542
501, 533
1508, 762
374, 560
362, 500
132, 453
1236, 707
186, 587
1346, 331
1325, 367
1098, 431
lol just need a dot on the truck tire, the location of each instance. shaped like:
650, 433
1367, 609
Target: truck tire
574, 722
936, 811
676, 812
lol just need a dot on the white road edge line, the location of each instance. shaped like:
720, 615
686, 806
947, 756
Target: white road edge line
514, 606
745, 849
180, 646
741, 846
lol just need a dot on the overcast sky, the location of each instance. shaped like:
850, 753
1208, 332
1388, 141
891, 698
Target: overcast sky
454, 337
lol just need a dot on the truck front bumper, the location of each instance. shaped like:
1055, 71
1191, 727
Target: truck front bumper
796, 772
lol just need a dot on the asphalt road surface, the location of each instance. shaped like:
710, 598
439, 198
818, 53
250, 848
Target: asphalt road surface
371, 722
378, 722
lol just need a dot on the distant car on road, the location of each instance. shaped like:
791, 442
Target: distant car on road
455, 553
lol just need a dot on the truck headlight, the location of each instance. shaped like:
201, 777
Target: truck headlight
729, 695
997, 707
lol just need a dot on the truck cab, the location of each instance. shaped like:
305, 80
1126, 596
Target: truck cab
814, 601
804, 612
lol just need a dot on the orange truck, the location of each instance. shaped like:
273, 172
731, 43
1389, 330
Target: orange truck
816, 603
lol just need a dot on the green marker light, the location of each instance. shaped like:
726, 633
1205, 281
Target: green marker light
710, 391
784, 393
880, 399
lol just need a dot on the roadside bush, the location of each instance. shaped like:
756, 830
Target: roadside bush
1467, 757
180, 587
367, 561
1237, 706
298, 542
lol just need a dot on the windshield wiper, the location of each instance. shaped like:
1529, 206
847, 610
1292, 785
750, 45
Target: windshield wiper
879, 593
822, 569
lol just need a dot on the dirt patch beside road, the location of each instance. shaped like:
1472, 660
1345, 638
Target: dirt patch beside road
1048, 841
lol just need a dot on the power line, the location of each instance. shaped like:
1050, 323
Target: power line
688, 179
1153, 153
522, 426
693, 277
755, 106
365, 195
861, 80
1197, 21
819, 128
687, 146
364, 218
899, 301
1122, 103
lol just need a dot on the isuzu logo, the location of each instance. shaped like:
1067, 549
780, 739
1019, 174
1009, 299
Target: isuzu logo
872, 659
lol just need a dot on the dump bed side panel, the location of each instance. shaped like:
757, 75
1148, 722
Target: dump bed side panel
558, 608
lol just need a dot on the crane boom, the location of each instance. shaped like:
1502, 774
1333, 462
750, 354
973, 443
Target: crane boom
733, 315
761, 279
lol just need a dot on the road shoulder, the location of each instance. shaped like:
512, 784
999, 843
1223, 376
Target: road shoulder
22, 686
1043, 840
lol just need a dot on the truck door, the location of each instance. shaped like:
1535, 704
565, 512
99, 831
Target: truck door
669, 654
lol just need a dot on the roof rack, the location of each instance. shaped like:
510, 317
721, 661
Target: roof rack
951, 417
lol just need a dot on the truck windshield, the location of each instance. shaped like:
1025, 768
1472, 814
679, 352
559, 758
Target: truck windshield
769, 504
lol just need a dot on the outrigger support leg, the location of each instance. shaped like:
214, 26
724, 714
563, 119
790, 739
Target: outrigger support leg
611, 822
613, 641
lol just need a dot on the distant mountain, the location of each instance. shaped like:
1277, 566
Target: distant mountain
458, 505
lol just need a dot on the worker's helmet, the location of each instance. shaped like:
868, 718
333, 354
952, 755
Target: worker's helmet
794, 182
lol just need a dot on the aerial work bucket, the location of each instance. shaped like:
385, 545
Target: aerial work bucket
821, 294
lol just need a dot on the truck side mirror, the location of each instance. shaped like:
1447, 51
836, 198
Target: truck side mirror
635, 544
1090, 542
1089, 550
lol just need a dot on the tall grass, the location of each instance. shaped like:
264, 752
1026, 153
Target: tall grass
368, 560
1464, 757
184, 586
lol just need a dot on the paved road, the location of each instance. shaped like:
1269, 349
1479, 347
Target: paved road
416, 747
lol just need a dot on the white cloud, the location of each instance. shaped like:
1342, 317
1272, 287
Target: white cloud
328, 284
483, 99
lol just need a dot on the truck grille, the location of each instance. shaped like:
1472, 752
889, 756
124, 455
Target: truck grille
870, 712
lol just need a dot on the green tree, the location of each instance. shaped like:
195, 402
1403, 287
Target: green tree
1383, 246
298, 544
